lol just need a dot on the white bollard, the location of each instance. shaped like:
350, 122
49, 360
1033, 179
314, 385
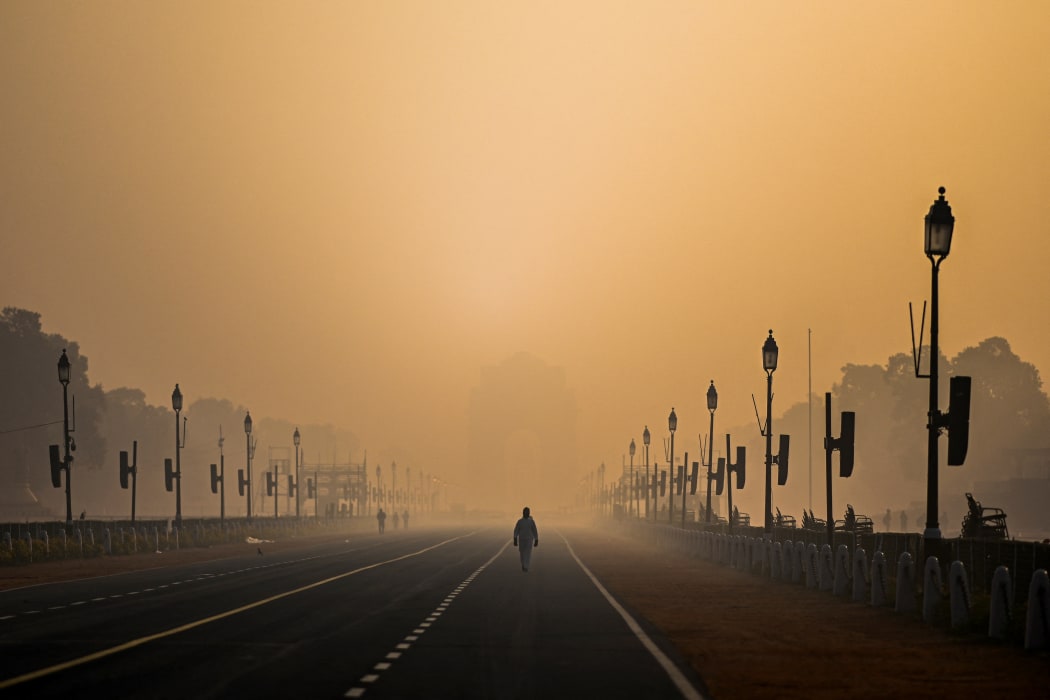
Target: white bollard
825, 572
1000, 611
841, 580
905, 602
879, 594
798, 566
1037, 621
775, 561
931, 588
811, 566
959, 595
860, 575
785, 560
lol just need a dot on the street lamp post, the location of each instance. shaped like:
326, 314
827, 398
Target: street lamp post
712, 404
276, 491
379, 486
67, 460
770, 353
222, 483
176, 403
248, 456
297, 439
939, 226
645, 441
672, 425
634, 484
601, 488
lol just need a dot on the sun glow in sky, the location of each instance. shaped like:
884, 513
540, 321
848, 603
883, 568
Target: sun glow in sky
340, 212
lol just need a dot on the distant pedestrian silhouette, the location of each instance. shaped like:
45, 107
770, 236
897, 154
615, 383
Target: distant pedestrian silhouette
904, 521
405, 518
381, 519
525, 538
887, 521
397, 519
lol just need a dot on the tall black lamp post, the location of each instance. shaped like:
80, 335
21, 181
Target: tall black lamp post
67, 460
648, 485
769, 364
938, 243
222, 482
712, 404
379, 486
296, 439
176, 403
634, 483
672, 425
248, 456
601, 488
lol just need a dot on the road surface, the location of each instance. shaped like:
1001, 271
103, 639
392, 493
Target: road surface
444, 613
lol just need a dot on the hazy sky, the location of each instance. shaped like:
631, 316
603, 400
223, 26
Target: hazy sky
341, 211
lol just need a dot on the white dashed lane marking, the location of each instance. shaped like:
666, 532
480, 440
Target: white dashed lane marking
201, 577
359, 691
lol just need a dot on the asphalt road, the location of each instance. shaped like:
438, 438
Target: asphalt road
419, 614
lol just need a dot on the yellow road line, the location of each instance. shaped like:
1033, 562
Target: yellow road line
80, 661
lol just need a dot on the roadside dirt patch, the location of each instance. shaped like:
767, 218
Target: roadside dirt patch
751, 637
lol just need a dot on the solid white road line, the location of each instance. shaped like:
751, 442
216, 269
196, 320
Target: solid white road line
677, 677
79, 661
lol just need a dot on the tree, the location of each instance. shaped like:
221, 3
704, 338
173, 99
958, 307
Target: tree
1008, 408
31, 410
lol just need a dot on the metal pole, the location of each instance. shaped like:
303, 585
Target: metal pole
769, 454
68, 458
134, 474
933, 530
297, 498
685, 468
632, 508
827, 463
275, 489
656, 489
178, 474
648, 482
248, 457
710, 455
222, 488
729, 486
670, 491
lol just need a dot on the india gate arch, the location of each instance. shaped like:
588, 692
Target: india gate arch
522, 444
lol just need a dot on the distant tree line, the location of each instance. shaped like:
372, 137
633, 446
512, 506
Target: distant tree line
1008, 410
108, 422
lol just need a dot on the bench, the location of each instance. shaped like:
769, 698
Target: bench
854, 522
811, 522
983, 521
739, 518
785, 520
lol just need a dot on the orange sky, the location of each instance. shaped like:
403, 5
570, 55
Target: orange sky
340, 212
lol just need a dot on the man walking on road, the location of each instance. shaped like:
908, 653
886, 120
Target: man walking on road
525, 531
